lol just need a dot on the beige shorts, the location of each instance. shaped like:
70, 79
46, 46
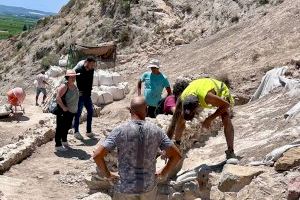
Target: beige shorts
151, 195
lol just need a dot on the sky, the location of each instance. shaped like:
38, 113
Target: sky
42, 5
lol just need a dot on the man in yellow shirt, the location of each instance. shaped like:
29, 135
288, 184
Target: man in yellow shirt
204, 93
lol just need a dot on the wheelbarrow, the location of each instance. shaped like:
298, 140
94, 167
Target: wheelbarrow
15, 98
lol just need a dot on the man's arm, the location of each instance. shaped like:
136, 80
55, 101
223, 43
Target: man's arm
139, 87
174, 157
98, 157
172, 126
216, 101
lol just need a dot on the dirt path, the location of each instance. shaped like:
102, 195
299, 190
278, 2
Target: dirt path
14, 127
38, 173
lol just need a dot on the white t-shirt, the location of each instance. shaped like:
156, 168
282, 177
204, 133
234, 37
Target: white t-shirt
40, 80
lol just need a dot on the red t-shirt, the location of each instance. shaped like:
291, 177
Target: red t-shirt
169, 103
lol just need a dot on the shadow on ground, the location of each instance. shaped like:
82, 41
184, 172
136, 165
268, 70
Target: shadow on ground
89, 142
74, 153
14, 117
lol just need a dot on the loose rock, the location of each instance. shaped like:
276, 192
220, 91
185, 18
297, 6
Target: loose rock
290, 159
98, 196
235, 177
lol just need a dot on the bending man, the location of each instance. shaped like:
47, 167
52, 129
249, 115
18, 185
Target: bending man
200, 94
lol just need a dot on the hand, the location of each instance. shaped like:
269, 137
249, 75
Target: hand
206, 123
163, 156
114, 177
65, 109
160, 177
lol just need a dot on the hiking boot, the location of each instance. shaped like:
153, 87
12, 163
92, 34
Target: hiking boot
66, 144
230, 154
90, 135
60, 148
78, 136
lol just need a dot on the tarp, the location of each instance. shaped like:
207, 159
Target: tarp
294, 111
269, 82
104, 51
275, 78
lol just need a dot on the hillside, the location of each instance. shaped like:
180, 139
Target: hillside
145, 29
14, 20
22, 12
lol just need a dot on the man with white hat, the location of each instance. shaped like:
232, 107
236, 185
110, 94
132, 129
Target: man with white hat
155, 82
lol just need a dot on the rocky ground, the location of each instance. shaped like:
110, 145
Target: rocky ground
259, 128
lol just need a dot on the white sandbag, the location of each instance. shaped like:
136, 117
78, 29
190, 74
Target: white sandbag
63, 63
116, 78
4, 110
96, 79
117, 92
104, 98
125, 87
95, 97
54, 71
105, 78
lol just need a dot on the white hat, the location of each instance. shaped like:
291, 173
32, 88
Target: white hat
153, 63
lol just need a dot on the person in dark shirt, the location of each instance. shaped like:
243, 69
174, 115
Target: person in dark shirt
85, 86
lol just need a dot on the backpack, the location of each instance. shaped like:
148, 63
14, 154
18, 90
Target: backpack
54, 107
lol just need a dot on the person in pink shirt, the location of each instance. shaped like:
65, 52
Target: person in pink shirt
170, 101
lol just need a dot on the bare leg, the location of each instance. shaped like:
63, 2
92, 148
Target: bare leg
228, 130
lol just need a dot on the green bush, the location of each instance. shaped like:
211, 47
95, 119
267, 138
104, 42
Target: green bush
235, 19
19, 45
263, 2
124, 36
51, 59
125, 5
42, 52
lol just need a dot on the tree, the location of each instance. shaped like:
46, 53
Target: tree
25, 27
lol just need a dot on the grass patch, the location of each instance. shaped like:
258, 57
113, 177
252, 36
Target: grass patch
10, 25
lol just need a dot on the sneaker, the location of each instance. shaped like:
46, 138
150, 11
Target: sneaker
230, 154
90, 135
66, 144
60, 148
78, 136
